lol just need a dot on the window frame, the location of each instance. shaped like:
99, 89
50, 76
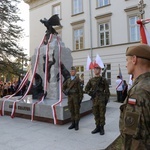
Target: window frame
103, 3
106, 74
55, 6
105, 31
137, 29
80, 72
77, 9
74, 41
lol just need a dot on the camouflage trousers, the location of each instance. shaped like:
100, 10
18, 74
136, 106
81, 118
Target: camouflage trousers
99, 110
130, 143
74, 107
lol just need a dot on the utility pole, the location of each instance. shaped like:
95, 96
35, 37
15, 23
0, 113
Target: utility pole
141, 6
91, 44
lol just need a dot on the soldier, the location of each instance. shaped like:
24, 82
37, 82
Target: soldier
135, 111
119, 89
98, 88
72, 88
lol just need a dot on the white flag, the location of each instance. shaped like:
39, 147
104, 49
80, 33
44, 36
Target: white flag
99, 61
89, 64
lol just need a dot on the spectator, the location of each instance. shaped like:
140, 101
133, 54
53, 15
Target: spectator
119, 89
125, 89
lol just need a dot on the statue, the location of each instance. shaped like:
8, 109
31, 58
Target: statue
37, 89
53, 21
49, 65
65, 73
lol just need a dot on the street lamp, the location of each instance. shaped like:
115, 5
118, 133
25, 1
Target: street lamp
141, 6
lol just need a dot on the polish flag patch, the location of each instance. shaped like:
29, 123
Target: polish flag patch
131, 101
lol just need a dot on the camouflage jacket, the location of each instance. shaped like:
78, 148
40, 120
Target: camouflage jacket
100, 85
73, 87
135, 112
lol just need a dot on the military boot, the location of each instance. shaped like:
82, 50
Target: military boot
96, 130
72, 125
102, 132
77, 125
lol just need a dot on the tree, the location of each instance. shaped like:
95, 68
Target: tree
10, 34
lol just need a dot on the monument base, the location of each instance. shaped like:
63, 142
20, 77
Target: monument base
43, 111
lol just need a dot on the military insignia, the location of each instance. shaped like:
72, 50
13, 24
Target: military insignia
129, 121
131, 101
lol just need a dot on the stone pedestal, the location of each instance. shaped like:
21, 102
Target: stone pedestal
66, 59
43, 111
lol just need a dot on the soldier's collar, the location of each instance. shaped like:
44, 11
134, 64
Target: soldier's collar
97, 75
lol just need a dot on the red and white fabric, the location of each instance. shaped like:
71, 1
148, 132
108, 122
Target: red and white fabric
144, 32
60, 85
45, 80
98, 61
31, 82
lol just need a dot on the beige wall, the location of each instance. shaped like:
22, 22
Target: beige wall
114, 54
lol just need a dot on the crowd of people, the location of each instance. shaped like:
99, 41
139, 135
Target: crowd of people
8, 88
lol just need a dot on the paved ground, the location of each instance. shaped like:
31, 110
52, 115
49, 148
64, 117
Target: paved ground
22, 134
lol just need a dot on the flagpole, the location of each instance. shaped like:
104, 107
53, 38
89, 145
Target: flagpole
91, 44
141, 6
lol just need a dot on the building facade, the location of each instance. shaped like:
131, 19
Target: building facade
91, 27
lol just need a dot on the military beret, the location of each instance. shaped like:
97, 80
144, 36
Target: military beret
141, 51
97, 66
73, 68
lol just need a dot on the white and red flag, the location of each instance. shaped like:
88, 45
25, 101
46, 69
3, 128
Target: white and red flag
145, 34
89, 64
99, 61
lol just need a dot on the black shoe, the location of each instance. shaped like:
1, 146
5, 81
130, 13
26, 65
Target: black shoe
102, 132
96, 130
72, 125
76, 125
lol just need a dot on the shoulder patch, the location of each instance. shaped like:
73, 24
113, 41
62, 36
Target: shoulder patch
131, 101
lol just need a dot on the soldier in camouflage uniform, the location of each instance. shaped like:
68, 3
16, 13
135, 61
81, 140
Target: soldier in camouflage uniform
72, 88
135, 111
98, 88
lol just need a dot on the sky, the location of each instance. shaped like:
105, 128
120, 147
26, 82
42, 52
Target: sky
24, 14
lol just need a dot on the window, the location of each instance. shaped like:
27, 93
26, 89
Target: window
77, 7
101, 3
134, 30
104, 34
80, 73
107, 73
56, 10
78, 39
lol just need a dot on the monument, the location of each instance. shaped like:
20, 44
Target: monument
43, 99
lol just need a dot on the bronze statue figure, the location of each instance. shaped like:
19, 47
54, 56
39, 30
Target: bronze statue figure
65, 73
37, 89
53, 21
49, 65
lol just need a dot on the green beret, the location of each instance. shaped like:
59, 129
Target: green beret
73, 68
141, 51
